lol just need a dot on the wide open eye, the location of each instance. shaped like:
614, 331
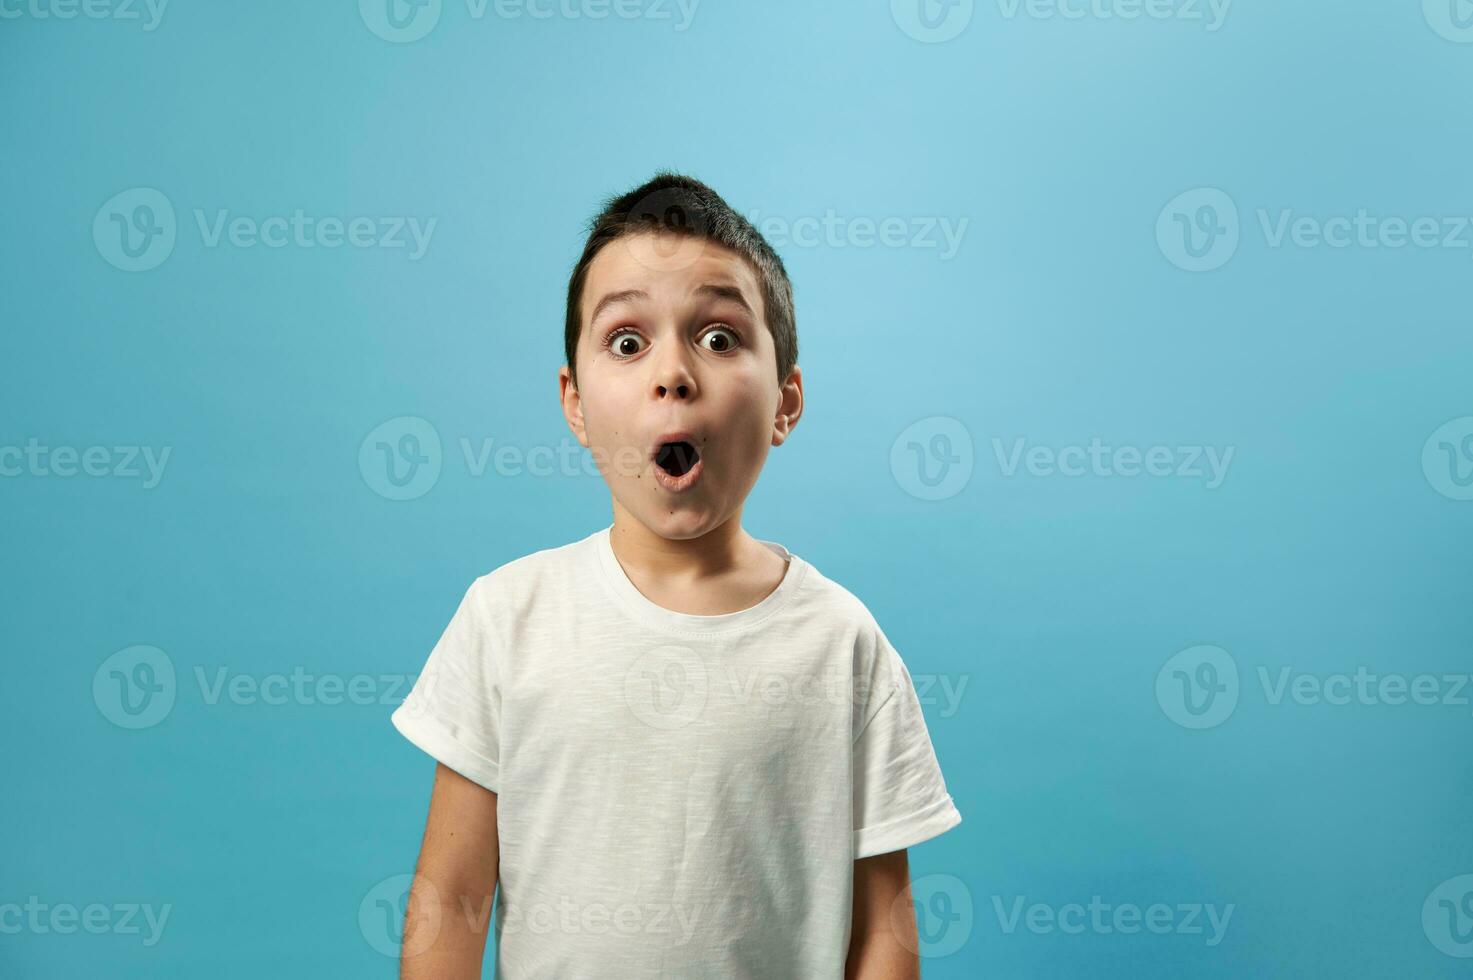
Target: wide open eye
623, 342
726, 340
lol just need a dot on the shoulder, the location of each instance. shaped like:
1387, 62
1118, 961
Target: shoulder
876, 665
546, 573
826, 599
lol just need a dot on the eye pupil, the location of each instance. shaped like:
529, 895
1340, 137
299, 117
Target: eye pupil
624, 345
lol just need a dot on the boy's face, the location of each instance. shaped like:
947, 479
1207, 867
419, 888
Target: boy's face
674, 342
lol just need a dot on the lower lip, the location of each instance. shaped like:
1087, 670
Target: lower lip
676, 484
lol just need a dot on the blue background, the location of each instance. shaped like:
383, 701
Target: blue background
1063, 316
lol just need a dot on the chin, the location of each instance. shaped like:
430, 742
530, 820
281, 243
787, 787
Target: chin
682, 523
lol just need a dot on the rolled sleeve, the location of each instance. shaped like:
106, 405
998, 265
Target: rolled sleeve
900, 796
453, 711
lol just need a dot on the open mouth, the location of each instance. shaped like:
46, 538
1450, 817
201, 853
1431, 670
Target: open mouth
677, 458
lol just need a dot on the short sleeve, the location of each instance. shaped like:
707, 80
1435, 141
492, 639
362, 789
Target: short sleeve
900, 797
453, 711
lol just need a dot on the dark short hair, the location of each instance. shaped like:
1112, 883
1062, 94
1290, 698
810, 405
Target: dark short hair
684, 205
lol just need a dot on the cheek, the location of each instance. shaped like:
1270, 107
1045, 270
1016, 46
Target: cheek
752, 381
604, 405
757, 398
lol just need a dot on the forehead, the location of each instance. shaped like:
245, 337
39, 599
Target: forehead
668, 267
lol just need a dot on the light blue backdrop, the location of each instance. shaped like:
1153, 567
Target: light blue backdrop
1157, 470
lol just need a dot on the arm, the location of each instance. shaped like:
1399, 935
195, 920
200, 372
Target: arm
883, 941
449, 912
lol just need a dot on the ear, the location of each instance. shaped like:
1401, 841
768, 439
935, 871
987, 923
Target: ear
789, 406
572, 405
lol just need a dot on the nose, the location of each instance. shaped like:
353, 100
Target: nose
672, 375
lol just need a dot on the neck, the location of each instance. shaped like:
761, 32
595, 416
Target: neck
718, 550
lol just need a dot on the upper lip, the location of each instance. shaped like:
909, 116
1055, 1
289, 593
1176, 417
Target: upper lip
678, 436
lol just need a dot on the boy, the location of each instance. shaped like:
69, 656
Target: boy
681, 751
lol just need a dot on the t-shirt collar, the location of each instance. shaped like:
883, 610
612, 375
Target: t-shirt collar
653, 614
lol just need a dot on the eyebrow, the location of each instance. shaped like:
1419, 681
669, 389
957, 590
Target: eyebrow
609, 299
718, 290
714, 290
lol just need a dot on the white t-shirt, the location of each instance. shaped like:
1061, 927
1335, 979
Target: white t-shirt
679, 796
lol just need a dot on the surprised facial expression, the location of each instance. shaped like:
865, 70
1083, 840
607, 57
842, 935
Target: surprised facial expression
678, 396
